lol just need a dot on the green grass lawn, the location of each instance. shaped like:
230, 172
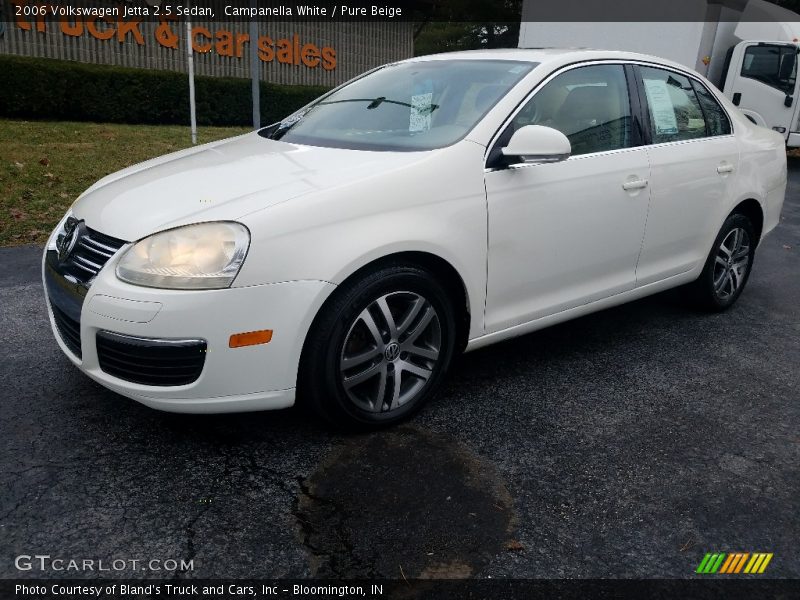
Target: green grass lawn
44, 166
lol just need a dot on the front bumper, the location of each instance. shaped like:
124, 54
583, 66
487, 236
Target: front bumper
249, 378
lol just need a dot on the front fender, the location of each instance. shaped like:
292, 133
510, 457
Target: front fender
436, 205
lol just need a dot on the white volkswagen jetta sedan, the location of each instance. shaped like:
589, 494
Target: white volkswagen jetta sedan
345, 255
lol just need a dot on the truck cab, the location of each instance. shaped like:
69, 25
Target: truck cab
760, 77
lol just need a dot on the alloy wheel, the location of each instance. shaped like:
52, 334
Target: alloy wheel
390, 351
731, 263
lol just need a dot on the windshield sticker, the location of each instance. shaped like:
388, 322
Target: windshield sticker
421, 109
661, 106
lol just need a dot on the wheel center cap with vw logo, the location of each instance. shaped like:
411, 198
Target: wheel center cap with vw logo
392, 351
65, 244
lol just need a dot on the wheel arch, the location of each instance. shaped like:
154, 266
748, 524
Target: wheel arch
752, 209
445, 272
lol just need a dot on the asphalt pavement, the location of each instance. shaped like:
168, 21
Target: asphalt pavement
627, 443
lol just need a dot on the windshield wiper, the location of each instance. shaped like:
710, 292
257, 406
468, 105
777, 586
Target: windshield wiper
278, 130
376, 102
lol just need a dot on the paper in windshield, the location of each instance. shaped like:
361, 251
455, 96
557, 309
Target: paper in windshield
420, 119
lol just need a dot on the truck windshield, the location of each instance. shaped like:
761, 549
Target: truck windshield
404, 107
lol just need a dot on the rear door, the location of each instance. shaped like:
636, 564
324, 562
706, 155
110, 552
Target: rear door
694, 159
762, 81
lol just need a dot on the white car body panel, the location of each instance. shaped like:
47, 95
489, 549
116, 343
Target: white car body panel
223, 180
540, 266
687, 199
536, 238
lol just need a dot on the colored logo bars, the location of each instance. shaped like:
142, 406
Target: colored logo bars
734, 562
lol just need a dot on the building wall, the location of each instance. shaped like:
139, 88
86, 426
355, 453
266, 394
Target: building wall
358, 46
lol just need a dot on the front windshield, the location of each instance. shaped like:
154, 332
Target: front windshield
406, 106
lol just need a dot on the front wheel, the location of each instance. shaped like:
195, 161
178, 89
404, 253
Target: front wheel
728, 266
379, 348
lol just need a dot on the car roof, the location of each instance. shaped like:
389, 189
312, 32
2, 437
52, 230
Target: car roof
549, 56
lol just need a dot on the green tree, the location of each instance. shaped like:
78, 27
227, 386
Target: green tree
449, 25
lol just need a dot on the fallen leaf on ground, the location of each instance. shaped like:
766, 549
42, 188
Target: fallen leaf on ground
17, 214
19, 165
514, 546
44, 161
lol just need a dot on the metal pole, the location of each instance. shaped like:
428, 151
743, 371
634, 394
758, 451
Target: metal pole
190, 56
255, 70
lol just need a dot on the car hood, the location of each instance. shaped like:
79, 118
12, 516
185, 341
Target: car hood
222, 181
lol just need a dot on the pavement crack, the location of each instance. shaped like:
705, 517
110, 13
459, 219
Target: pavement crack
189, 529
340, 561
10, 512
276, 476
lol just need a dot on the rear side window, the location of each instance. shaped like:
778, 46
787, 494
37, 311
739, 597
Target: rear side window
775, 66
675, 112
717, 122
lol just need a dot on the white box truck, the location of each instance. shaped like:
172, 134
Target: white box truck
747, 48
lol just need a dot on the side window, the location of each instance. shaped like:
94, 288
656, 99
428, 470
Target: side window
776, 66
717, 122
587, 104
675, 112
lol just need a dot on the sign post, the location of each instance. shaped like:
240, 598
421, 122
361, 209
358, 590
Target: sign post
190, 57
255, 70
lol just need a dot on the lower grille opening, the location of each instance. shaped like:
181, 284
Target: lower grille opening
69, 329
150, 361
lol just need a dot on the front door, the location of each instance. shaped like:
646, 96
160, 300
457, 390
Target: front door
569, 233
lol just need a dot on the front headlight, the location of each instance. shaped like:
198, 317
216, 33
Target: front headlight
194, 257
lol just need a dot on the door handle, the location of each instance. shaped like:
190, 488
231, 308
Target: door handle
724, 168
636, 184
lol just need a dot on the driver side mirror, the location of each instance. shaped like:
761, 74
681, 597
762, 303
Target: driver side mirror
534, 144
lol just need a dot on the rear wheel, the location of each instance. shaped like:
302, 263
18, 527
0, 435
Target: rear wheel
379, 348
728, 265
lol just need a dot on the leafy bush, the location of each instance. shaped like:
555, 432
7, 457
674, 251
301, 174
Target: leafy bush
40, 88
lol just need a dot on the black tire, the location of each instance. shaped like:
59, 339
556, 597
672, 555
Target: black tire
705, 291
324, 369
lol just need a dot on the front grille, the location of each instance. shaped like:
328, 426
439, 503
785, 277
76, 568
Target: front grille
67, 281
91, 252
69, 329
149, 361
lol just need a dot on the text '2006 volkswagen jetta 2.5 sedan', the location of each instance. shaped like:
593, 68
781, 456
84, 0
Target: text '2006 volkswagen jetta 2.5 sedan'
344, 255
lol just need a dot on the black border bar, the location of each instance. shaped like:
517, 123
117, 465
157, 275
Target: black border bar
417, 11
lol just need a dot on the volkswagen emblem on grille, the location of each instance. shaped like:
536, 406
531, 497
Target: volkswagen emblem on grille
66, 241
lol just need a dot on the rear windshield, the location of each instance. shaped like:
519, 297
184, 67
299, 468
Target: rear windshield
407, 106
